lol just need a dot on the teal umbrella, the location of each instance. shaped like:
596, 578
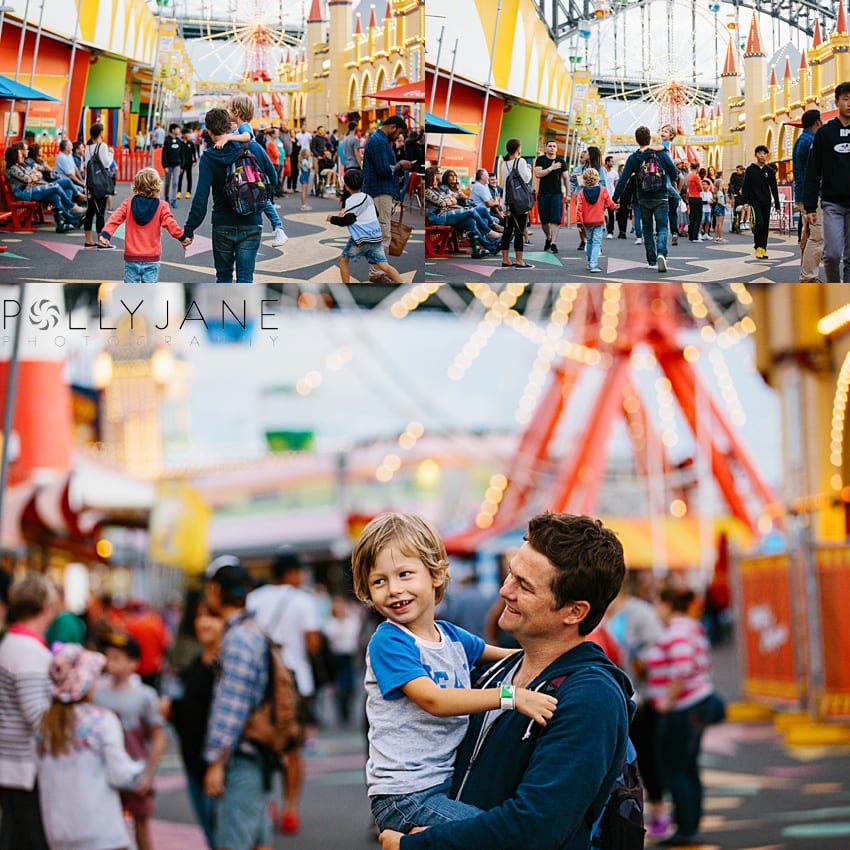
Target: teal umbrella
11, 90
433, 124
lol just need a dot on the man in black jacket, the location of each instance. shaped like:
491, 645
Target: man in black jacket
759, 186
736, 183
828, 177
172, 162
190, 157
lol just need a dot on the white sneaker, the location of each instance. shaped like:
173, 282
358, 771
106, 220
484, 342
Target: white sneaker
639, 241
652, 266
305, 208
610, 236
280, 238
662, 263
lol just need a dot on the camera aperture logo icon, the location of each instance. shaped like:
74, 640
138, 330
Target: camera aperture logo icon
44, 314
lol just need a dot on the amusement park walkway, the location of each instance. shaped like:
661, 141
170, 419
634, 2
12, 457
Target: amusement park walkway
622, 260
760, 795
310, 255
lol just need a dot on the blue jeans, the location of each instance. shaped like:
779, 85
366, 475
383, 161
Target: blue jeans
235, 245
141, 272
204, 807
653, 213
242, 812
464, 217
677, 743
836, 242
272, 216
50, 193
169, 183
593, 235
430, 807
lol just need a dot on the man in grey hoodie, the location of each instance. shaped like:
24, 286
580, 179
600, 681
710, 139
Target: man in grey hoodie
236, 238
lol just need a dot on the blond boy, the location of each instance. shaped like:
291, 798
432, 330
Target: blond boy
418, 692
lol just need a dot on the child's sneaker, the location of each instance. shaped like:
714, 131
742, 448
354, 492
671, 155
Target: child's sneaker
305, 208
280, 238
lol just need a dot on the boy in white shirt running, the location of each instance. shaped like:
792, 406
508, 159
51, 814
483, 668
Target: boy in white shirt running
361, 219
418, 692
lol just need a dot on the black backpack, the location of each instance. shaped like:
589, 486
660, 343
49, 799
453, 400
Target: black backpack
245, 184
99, 182
651, 176
619, 826
518, 195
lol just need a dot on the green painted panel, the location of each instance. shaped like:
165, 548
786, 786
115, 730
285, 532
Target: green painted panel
105, 87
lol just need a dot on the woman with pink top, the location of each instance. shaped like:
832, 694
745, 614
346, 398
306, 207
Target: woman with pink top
680, 687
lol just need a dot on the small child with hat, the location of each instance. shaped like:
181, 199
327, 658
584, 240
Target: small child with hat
79, 740
137, 707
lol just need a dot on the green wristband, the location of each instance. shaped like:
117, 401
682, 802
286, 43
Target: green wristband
506, 698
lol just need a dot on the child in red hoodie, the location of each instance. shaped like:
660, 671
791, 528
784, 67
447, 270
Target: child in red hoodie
590, 212
145, 215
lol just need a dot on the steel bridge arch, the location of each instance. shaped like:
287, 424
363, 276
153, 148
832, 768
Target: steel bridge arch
564, 17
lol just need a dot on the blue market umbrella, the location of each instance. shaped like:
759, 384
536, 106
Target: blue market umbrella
10, 90
433, 124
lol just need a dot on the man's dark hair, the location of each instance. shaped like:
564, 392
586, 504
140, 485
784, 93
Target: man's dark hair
512, 145
352, 125
353, 179
11, 155
588, 561
643, 135
482, 172
288, 559
395, 121
809, 118
217, 121
842, 88
172, 127
96, 130
762, 148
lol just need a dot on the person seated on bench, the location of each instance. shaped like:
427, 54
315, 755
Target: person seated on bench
26, 186
37, 163
441, 208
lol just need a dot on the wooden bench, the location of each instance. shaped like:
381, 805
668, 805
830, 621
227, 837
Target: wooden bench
441, 240
19, 214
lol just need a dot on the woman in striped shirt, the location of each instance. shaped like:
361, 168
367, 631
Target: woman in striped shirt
678, 683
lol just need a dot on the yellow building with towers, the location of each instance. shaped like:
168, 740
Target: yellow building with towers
346, 60
756, 110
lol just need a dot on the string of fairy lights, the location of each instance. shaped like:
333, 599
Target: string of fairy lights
499, 304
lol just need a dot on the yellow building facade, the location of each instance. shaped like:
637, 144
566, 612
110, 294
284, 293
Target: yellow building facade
346, 60
761, 111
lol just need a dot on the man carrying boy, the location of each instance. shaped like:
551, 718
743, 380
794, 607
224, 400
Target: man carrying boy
365, 239
137, 707
544, 790
236, 776
235, 238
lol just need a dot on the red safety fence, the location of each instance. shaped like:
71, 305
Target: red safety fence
772, 634
832, 568
795, 629
128, 162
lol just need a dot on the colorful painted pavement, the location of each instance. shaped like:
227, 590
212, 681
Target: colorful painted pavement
311, 254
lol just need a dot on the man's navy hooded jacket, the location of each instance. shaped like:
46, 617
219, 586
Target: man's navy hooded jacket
542, 787
212, 172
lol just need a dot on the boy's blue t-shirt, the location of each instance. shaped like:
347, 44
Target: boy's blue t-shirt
409, 749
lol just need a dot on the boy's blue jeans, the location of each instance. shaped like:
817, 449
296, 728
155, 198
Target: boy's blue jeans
272, 216
141, 272
430, 807
593, 236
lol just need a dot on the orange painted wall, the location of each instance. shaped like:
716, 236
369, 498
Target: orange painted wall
42, 417
52, 66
